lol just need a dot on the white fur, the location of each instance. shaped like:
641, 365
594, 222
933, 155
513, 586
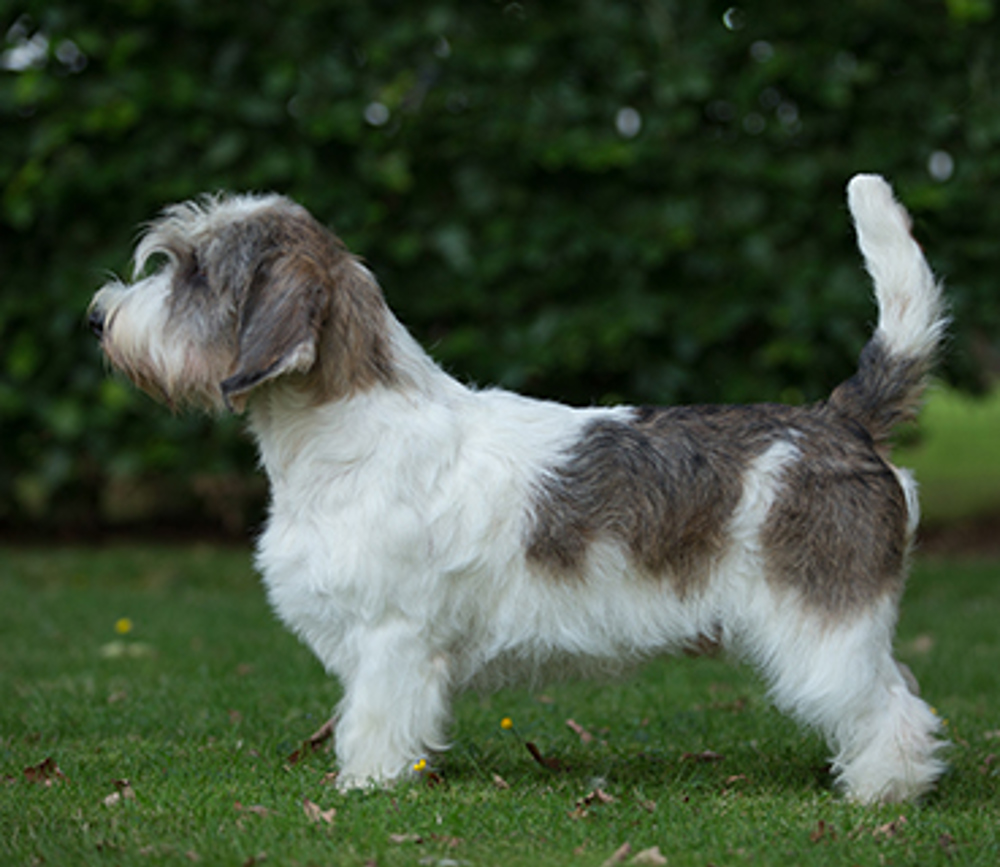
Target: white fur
911, 317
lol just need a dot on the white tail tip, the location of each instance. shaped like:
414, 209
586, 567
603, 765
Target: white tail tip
911, 320
874, 207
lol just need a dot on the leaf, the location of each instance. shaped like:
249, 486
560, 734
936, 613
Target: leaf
597, 796
399, 839
890, 829
256, 809
500, 782
323, 733
585, 736
649, 858
704, 756
313, 742
619, 855
124, 792
822, 831
551, 764
315, 813
45, 772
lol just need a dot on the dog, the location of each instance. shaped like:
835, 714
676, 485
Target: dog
425, 537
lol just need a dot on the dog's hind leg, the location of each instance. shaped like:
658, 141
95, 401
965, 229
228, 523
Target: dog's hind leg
395, 705
841, 678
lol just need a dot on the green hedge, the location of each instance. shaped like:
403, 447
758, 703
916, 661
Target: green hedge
594, 201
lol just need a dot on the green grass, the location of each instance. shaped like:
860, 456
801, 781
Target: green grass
957, 458
200, 705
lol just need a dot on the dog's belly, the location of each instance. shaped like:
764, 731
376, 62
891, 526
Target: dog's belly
525, 626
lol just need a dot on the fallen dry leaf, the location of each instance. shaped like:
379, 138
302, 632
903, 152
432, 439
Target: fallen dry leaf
822, 831
432, 779
256, 809
890, 829
551, 764
585, 736
405, 838
649, 858
619, 855
313, 742
123, 792
704, 756
45, 772
500, 782
323, 733
315, 813
597, 796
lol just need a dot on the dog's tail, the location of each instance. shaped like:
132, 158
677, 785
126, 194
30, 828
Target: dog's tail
893, 368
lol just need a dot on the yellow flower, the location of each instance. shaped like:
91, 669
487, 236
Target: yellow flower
420, 765
123, 626
507, 723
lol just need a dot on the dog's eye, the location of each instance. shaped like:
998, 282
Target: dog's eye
153, 264
193, 276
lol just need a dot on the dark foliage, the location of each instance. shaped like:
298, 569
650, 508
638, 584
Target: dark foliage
593, 201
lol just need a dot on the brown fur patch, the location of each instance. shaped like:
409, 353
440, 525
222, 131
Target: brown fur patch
307, 296
885, 391
837, 531
665, 485
277, 293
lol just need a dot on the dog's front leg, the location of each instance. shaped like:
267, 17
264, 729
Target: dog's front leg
395, 705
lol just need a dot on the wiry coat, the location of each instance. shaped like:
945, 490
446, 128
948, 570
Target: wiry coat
425, 537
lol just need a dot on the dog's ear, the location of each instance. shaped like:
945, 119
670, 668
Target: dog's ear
280, 319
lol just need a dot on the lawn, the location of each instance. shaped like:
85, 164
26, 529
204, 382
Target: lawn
153, 712
957, 456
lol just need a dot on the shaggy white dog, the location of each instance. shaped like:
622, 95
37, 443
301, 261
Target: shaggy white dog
425, 537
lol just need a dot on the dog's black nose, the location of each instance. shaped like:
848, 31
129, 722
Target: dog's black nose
96, 322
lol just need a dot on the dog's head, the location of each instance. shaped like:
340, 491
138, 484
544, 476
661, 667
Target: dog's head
251, 288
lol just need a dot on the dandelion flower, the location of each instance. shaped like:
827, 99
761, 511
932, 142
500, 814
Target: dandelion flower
420, 765
123, 626
507, 723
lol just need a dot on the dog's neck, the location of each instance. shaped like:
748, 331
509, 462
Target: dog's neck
347, 427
